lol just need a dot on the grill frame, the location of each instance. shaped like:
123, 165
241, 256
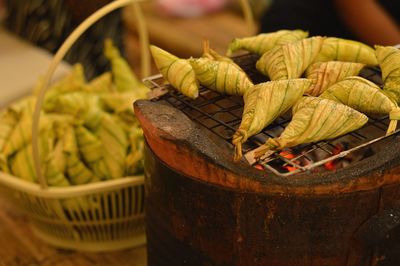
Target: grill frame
223, 121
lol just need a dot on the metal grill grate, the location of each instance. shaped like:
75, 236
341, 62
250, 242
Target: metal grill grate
221, 114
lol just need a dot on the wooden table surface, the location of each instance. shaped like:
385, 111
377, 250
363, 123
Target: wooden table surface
19, 246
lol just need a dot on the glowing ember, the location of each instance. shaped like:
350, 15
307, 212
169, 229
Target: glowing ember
338, 163
289, 155
259, 167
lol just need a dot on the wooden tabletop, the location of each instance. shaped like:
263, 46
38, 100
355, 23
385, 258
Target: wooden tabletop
19, 246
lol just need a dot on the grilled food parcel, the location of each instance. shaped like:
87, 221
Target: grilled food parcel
389, 62
329, 65
263, 104
212, 71
325, 74
366, 97
314, 119
87, 131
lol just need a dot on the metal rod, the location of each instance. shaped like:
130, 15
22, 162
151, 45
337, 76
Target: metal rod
199, 111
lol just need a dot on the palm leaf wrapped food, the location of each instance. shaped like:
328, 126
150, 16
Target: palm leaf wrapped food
120, 103
221, 76
90, 148
178, 72
21, 163
74, 81
9, 118
100, 84
337, 49
19, 137
134, 160
289, 61
366, 97
79, 142
77, 171
264, 42
325, 74
389, 62
114, 146
263, 104
82, 105
314, 119
214, 55
124, 78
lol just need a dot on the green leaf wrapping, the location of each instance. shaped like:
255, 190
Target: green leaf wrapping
21, 134
134, 160
74, 81
263, 104
114, 146
91, 149
389, 61
315, 119
364, 96
289, 61
337, 49
120, 102
77, 171
9, 118
100, 84
79, 142
213, 55
4, 164
85, 107
220, 76
123, 76
21, 164
325, 74
264, 42
178, 72
53, 175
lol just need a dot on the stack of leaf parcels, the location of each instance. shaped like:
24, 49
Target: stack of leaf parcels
87, 131
315, 77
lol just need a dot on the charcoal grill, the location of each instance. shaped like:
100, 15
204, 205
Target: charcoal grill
204, 209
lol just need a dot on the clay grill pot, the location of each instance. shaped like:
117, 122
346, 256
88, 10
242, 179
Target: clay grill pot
204, 209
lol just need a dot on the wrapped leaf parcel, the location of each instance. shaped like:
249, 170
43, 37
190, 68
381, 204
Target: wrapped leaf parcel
389, 61
87, 131
214, 55
366, 97
314, 119
178, 72
337, 49
263, 104
289, 61
123, 77
325, 74
264, 42
222, 76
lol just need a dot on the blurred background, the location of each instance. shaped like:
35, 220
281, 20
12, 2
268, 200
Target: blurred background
174, 25
31, 31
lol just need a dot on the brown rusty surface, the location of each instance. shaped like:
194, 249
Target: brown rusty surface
191, 222
187, 148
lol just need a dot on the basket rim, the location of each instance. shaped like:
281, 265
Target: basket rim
34, 189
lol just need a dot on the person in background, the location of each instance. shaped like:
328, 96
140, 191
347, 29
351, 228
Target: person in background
370, 21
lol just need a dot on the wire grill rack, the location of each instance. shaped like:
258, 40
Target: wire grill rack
221, 114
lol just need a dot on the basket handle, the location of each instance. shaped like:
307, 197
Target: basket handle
88, 22
60, 55
247, 14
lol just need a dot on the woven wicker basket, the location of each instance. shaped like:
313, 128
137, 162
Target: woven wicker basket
100, 216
